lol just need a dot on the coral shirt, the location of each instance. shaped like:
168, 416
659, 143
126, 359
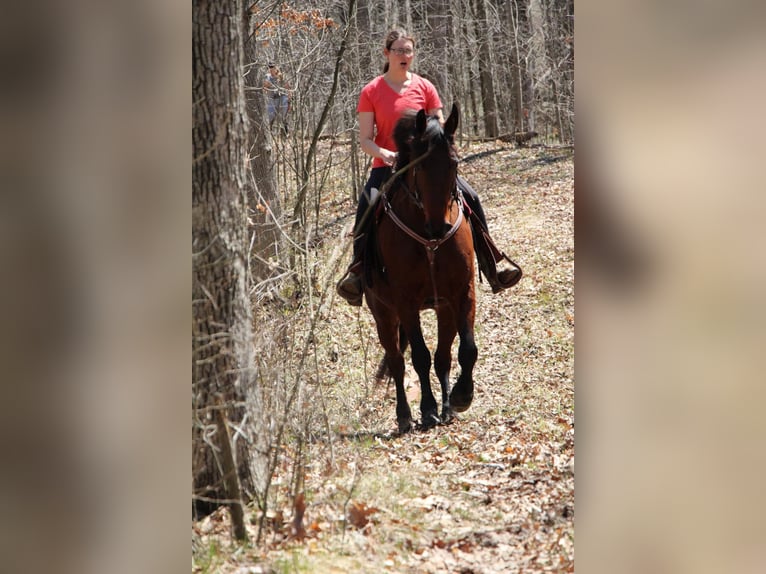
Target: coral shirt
387, 105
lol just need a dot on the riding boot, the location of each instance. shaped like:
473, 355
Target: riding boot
487, 253
350, 285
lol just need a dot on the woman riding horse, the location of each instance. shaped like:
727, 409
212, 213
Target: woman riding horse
381, 104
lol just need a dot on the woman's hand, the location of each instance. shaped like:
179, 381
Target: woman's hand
388, 156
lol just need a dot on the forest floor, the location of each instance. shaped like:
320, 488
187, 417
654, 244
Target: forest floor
493, 491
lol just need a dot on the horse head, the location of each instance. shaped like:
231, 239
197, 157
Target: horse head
433, 179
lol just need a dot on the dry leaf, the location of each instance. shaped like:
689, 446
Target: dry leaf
315, 527
297, 530
359, 513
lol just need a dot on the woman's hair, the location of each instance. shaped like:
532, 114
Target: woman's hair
393, 36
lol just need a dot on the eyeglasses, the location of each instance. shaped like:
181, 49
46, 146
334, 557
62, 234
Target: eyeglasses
402, 51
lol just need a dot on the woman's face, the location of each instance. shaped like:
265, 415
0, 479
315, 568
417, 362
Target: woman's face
400, 54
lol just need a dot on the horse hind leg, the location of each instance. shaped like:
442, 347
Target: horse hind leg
395, 363
443, 363
421, 360
383, 371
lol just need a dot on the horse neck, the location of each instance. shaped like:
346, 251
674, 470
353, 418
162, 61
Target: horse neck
435, 201
403, 200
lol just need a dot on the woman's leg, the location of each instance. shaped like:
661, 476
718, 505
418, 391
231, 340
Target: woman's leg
271, 109
283, 107
350, 285
359, 224
472, 199
487, 254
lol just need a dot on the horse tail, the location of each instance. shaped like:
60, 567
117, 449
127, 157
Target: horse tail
383, 372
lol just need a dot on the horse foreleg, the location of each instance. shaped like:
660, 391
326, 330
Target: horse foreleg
443, 362
421, 360
462, 392
403, 413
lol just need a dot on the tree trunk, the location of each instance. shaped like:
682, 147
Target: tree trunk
440, 26
516, 66
538, 63
485, 72
265, 207
222, 320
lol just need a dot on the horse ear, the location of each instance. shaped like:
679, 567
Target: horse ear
421, 122
451, 124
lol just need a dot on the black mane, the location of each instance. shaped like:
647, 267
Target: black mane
407, 144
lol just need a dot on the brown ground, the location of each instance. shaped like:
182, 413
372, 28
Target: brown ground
494, 491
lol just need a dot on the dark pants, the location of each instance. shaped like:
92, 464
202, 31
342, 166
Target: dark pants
378, 176
472, 199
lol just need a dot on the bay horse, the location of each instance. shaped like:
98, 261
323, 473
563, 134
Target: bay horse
422, 249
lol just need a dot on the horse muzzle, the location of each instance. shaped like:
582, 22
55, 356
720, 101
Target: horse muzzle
437, 231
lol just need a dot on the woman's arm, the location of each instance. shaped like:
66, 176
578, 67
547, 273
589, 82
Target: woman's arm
438, 112
367, 141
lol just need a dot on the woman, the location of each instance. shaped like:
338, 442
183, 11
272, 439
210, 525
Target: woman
381, 104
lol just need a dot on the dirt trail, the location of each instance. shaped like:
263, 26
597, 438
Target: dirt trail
494, 491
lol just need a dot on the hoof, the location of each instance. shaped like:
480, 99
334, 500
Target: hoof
460, 403
447, 416
429, 421
405, 426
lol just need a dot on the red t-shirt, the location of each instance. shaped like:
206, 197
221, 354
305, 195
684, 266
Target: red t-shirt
378, 97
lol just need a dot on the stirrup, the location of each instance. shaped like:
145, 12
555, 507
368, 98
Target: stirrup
499, 280
505, 278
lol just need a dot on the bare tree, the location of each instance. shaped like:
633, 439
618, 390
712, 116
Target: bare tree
264, 202
223, 381
438, 28
305, 176
486, 78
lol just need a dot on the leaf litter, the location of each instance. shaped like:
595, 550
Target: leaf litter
493, 491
